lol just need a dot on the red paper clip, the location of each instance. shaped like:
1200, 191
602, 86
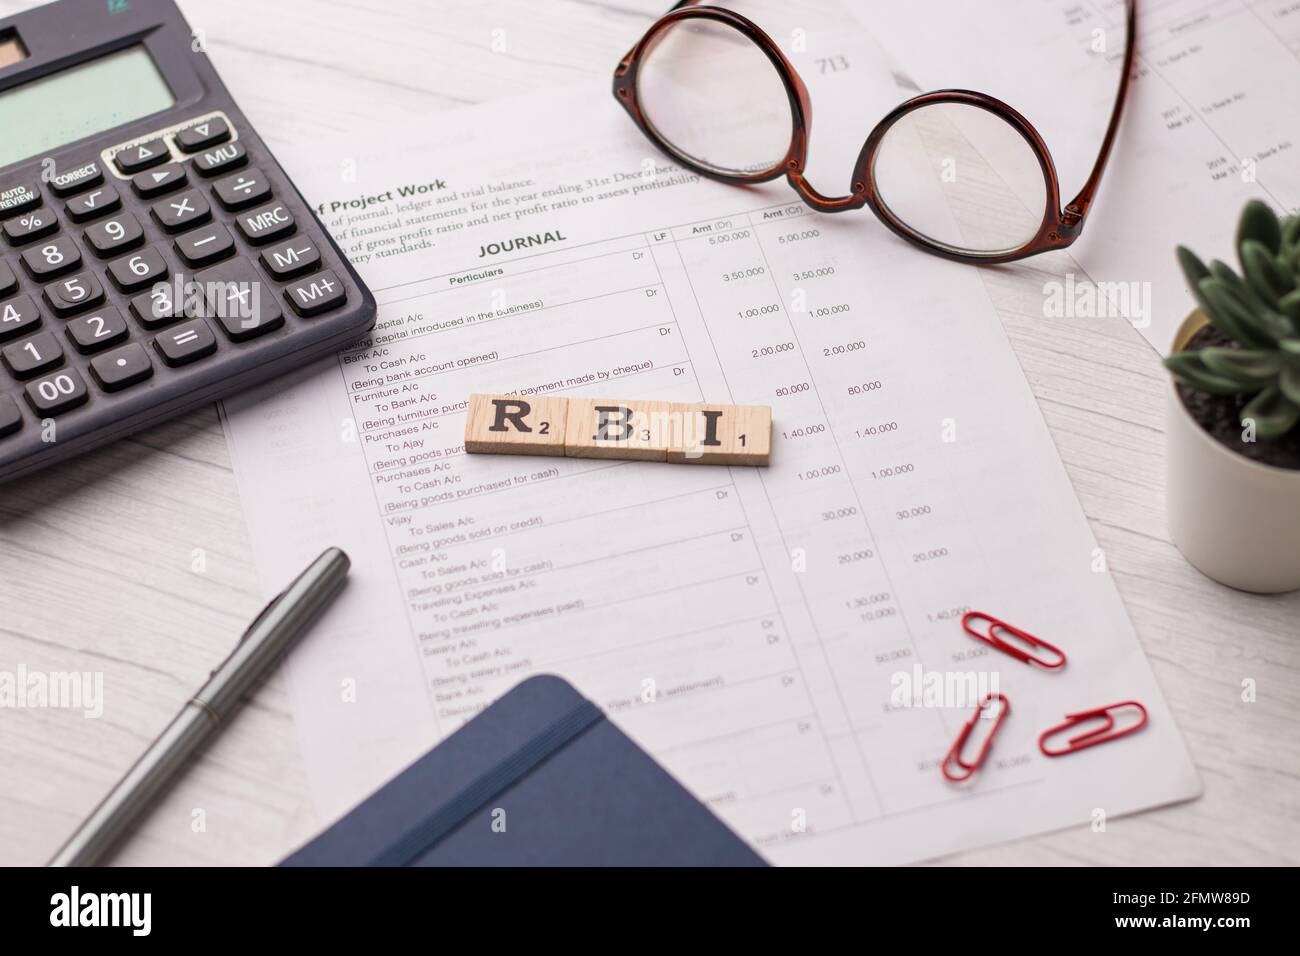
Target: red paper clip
1098, 736
991, 637
954, 755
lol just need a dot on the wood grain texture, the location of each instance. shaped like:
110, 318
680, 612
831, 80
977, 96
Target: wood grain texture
134, 561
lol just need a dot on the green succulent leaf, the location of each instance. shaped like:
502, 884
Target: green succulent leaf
1289, 305
1263, 273
1232, 316
1273, 413
1289, 382
1190, 368
1290, 230
1249, 366
1194, 269
1260, 223
1290, 348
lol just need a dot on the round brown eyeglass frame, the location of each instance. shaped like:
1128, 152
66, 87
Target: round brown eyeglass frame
1060, 226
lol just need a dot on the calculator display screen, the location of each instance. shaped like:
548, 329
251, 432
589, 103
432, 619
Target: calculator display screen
80, 101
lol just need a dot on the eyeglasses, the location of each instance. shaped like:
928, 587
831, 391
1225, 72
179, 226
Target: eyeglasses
958, 173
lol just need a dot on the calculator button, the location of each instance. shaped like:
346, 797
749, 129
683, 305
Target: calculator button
186, 343
52, 259
32, 356
316, 294
242, 189
8, 281
265, 223
291, 258
97, 202
205, 246
115, 235
240, 301
201, 136
182, 211
57, 393
121, 368
18, 317
11, 419
158, 307
75, 180
31, 226
18, 199
74, 294
221, 160
155, 182
136, 158
136, 271
90, 333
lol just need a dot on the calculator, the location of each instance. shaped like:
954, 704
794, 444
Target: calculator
154, 257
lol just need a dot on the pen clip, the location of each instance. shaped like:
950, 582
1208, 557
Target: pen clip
261, 616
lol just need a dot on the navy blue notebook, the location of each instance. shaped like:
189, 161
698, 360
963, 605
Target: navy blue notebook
540, 778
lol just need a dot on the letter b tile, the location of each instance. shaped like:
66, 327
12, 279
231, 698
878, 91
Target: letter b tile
600, 428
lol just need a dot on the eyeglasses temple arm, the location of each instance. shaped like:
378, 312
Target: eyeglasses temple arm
1078, 207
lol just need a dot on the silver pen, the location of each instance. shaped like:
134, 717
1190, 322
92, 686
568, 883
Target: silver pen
264, 643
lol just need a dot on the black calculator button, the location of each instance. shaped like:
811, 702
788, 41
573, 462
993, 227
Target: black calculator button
155, 182
18, 199
265, 223
316, 294
158, 307
205, 246
33, 355
186, 343
11, 419
214, 162
31, 226
8, 281
242, 189
74, 294
51, 259
91, 333
182, 211
292, 258
57, 393
202, 135
136, 158
75, 180
98, 202
240, 300
112, 236
18, 317
121, 368
138, 270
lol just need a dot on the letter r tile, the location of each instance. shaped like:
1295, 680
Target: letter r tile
515, 425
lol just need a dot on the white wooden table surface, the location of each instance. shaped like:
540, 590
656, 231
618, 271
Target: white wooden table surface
96, 557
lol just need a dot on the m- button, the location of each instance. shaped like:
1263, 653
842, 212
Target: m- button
265, 223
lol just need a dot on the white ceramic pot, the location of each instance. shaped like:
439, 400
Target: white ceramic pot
1234, 519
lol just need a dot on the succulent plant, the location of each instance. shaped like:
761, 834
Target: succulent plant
1260, 311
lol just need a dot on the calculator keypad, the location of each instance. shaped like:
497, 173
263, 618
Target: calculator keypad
229, 247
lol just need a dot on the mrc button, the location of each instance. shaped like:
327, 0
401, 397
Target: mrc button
265, 223
16, 199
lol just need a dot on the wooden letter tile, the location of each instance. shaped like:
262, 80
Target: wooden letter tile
722, 435
515, 425
600, 428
